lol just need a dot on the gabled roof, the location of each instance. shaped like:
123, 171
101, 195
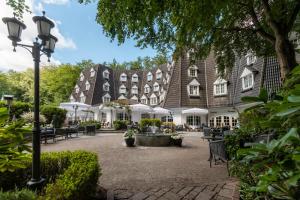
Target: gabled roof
246, 72
220, 81
134, 97
122, 97
153, 95
194, 82
144, 97
107, 95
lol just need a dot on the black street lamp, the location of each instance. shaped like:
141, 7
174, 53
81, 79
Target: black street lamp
45, 46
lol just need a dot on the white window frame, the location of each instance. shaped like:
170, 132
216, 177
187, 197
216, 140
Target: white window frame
92, 72
153, 100
82, 98
158, 74
193, 88
134, 90
122, 89
156, 87
77, 89
135, 78
144, 100
123, 77
147, 89
106, 98
106, 87
248, 81
149, 76
81, 77
250, 58
193, 69
87, 85
220, 87
106, 74
135, 98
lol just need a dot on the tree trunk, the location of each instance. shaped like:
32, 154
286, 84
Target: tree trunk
285, 54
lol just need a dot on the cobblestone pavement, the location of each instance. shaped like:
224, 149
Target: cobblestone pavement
159, 172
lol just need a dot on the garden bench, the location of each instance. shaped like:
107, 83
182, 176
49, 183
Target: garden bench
217, 150
47, 133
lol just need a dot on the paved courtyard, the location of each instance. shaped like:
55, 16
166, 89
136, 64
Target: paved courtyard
151, 171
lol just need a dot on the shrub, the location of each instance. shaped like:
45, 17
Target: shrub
55, 114
70, 175
120, 124
28, 117
23, 194
91, 122
144, 123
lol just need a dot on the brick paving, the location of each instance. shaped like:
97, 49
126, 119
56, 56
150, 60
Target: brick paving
154, 172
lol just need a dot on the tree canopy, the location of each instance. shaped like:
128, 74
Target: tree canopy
229, 28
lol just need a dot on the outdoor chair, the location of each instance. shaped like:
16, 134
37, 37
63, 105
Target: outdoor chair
47, 133
217, 151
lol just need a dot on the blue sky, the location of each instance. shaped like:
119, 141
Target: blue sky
80, 37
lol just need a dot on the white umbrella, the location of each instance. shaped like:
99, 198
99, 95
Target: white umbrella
198, 111
141, 108
70, 106
161, 111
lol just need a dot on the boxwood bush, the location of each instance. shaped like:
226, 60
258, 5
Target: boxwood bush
144, 123
69, 175
56, 114
120, 124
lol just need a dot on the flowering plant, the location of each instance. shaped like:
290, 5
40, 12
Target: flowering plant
176, 137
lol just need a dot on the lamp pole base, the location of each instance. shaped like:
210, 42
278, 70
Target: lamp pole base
36, 184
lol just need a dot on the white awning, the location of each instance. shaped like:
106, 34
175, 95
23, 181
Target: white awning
141, 108
161, 111
70, 106
195, 111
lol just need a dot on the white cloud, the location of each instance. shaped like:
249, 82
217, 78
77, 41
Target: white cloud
21, 59
56, 2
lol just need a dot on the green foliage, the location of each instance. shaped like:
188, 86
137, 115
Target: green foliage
120, 124
17, 108
271, 171
69, 175
23, 194
91, 122
130, 133
54, 114
13, 147
144, 123
18, 6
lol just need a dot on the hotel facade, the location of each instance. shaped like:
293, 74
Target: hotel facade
179, 86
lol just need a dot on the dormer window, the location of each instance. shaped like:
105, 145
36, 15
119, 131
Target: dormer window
158, 74
220, 87
106, 74
106, 87
247, 79
193, 88
134, 90
123, 77
162, 96
144, 99
193, 71
250, 58
168, 78
72, 99
149, 76
134, 78
122, 97
92, 71
77, 89
153, 99
87, 85
106, 98
81, 77
155, 87
147, 89
134, 98
169, 66
122, 89
82, 98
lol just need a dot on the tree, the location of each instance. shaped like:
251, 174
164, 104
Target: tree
137, 64
229, 28
85, 64
4, 85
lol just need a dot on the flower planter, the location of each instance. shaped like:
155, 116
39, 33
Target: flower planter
153, 140
129, 142
177, 142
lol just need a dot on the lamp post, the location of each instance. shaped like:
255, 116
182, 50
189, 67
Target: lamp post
75, 107
44, 44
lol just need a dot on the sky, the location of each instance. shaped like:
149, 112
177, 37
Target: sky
79, 36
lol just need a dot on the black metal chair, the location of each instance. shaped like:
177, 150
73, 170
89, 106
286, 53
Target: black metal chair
217, 150
47, 133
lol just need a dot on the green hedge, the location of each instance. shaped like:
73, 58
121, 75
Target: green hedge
69, 175
56, 114
120, 124
23, 194
144, 123
17, 108
91, 122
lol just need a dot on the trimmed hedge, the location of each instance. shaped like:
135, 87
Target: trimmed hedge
91, 122
70, 175
144, 123
120, 124
56, 114
23, 194
17, 108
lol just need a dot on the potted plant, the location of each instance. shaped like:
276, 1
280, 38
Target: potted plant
129, 137
177, 140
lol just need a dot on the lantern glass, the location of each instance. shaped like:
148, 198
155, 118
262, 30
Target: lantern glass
50, 44
44, 26
15, 28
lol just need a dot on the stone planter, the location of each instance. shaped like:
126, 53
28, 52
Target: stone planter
153, 140
129, 142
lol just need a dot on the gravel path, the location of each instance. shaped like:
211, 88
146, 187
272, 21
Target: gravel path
142, 167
